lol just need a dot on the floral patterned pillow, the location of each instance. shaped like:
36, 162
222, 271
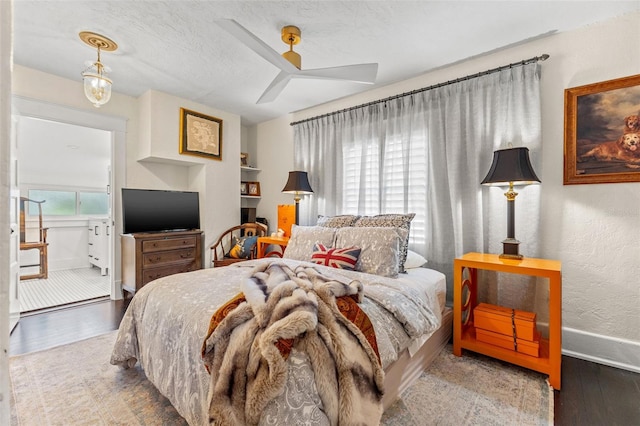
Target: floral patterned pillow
379, 248
303, 238
402, 221
337, 221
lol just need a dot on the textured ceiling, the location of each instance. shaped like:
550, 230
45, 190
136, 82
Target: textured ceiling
175, 47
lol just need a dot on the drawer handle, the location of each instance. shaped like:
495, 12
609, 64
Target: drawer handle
186, 255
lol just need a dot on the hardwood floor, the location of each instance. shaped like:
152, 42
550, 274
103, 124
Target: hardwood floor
69, 324
592, 394
595, 394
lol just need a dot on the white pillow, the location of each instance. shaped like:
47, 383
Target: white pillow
414, 260
300, 246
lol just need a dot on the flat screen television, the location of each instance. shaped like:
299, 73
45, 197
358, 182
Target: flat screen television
152, 210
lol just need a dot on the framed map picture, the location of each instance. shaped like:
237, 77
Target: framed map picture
200, 135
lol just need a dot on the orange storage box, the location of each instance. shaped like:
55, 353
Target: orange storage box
498, 319
523, 346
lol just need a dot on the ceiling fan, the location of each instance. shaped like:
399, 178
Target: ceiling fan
289, 62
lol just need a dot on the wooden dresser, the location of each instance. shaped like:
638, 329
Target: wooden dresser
149, 256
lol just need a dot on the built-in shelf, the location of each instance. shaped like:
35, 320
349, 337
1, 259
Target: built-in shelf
249, 174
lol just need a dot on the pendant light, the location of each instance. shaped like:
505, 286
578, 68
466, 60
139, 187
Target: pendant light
97, 87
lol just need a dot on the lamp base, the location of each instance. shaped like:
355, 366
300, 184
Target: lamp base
510, 249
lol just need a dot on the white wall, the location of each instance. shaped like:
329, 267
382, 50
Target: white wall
53, 154
593, 229
274, 146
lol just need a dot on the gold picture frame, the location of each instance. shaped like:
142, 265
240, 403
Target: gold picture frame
200, 135
244, 189
602, 132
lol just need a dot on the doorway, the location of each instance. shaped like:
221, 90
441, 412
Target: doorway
64, 182
112, 131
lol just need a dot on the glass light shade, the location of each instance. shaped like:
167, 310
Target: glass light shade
97, 87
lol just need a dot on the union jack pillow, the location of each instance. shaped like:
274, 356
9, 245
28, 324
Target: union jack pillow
341, 258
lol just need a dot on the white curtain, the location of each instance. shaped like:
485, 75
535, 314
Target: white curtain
426, 153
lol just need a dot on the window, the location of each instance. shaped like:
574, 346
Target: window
394, 182
69, 203
93, 203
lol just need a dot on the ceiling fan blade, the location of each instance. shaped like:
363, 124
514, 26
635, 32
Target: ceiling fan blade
361, 73
276, 86
255, 44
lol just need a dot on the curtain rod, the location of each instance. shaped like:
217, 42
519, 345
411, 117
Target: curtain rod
542, 57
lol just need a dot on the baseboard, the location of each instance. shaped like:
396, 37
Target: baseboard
606, 350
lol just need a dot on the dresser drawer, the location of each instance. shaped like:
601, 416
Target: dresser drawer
172, 256
151, 274
149, 256
168, 244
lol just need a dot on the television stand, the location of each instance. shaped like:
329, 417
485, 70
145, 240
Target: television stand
149, 256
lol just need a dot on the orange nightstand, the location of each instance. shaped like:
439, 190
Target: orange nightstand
264, 242
464, 335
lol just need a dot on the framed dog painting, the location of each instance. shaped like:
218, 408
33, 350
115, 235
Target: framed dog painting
602, 132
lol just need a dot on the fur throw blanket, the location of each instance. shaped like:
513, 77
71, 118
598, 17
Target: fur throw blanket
246, 356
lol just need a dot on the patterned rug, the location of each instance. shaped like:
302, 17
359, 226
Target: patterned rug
75, 385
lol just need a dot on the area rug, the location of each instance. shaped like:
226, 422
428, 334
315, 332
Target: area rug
75, 385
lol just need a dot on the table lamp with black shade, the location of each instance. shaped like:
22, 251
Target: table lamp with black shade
297, 184
511, 167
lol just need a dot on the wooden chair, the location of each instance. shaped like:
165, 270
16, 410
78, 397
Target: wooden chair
40, 245
220, 249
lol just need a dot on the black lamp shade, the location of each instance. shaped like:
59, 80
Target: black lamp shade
511, 165
298, 183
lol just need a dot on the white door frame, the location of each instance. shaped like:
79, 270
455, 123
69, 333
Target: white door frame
14, 223
26, 107
6, 38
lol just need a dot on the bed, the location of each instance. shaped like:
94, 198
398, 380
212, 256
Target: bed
168, 320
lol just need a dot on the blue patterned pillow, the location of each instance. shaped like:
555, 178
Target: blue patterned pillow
242, 247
